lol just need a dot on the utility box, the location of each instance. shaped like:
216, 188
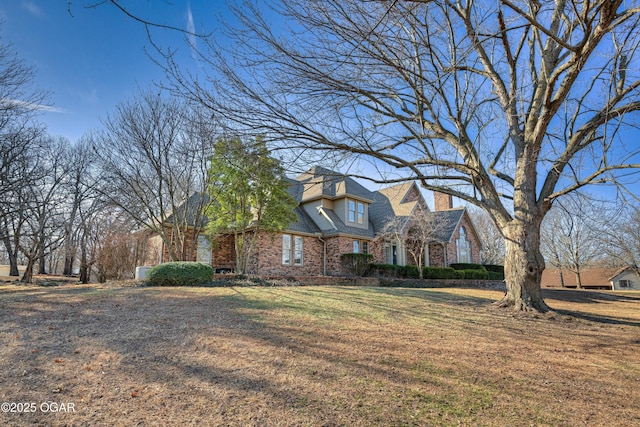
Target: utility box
142, 271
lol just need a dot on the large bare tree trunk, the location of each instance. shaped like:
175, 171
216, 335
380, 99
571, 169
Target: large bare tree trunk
524, 265
27, 277
578, 280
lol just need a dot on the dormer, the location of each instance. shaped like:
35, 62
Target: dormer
325, 190
353, 210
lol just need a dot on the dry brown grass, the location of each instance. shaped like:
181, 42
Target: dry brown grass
317, 356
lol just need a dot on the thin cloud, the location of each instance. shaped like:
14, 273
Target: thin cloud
7, 103
33, 8
191, 29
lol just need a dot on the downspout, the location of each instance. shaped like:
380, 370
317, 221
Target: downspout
444, 251
324, 255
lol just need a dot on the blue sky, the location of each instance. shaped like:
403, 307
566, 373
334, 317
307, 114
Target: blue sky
90, 59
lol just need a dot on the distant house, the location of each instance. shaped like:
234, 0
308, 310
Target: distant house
593, 278
625, 279
337, 215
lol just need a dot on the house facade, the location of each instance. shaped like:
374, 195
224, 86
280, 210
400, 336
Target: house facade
337, 215
610, 278
625, 279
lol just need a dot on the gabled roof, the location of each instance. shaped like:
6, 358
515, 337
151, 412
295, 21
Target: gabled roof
321, 182
397, 201
192, 208
385, 205
447, 223
621, 270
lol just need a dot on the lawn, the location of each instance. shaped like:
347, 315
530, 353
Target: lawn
315, 356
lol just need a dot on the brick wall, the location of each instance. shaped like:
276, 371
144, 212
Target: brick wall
442, 202
376, 248
223, 254
185, 249
337, 246
436, 255
267, 257
452, 253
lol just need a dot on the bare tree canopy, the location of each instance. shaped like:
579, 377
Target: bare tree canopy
153, 154
571, 234
507, 105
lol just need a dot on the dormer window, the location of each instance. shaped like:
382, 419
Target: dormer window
356, 212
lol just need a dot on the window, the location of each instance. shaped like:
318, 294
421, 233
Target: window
352, 211
286, 249
360, 246
391, 254
356, 211
292, 250
463, 246
360, 213
297, 250
624, 283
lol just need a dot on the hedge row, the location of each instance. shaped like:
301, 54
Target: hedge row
472, 272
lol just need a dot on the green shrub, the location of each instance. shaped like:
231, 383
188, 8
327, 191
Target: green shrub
494, 275
356, 264
442, 273
384, 270
494, 268
180, 273
475, 274
409, 272
466, 266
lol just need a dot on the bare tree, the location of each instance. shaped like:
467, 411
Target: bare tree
154, 158
20, 140
417, 233
620, 240
506, 105
570, 234
36, 214
81, 185
492, 241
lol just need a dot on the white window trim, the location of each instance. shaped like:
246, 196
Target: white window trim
286, 249
292, 246
359, 213
296, 249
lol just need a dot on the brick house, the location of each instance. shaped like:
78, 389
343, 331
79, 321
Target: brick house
337, 215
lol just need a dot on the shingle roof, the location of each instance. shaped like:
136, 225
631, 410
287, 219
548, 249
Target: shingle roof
304, 224
398, 201
447, 223
594, 276
321, 182
342, 228
390, 203
192, 208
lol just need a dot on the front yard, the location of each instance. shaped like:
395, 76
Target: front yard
315, 356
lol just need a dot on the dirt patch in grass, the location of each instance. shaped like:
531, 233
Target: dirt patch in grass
315, 356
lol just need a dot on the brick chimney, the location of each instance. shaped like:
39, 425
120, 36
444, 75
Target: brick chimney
442, 201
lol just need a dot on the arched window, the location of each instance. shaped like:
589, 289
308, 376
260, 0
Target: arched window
463, 247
